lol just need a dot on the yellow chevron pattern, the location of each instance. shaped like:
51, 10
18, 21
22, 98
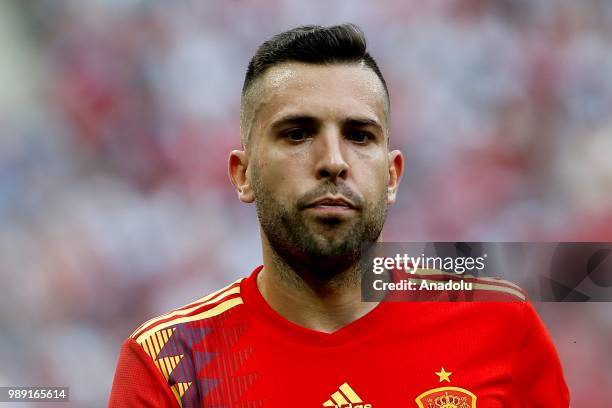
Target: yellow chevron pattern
152, 345
179, 390
156, 342
153, 340
167, 364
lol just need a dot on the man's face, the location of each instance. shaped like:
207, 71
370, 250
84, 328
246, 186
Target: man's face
318, 162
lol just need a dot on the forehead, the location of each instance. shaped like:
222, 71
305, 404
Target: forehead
334, 91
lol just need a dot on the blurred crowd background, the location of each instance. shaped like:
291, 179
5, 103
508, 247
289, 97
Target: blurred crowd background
117, 116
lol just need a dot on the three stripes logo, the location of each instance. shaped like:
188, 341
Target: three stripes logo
345, 397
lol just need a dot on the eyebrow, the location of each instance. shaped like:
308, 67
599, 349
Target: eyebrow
363, 122
311, 120
293, 120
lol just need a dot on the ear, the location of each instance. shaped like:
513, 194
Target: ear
396, 169
238, 165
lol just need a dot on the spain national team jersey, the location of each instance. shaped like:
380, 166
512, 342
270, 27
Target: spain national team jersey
230, 349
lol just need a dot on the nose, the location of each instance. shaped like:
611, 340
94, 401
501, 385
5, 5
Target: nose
331, 162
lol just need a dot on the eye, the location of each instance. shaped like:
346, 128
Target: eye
359, 136
296, 134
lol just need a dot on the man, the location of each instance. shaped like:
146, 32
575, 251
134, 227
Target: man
315, 132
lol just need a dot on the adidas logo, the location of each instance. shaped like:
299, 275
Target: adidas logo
345, 397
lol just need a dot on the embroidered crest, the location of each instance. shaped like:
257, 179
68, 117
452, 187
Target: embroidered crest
446, 397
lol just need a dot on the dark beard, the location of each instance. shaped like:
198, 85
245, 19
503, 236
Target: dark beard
309, 253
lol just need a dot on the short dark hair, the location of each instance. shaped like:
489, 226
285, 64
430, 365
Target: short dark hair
313, 44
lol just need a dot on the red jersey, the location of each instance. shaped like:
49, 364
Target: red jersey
231, 349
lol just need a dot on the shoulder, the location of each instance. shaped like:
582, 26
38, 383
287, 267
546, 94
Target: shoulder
477, 288
171, 339
494, 303
204, 308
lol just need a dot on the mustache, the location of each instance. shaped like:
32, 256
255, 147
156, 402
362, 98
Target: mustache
330, 189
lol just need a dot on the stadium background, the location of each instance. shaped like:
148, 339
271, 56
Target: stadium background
116, 118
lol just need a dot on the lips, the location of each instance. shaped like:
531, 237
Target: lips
339, 202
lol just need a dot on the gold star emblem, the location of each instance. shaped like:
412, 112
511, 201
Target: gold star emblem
444, 376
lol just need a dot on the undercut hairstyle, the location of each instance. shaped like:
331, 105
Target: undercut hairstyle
312, 44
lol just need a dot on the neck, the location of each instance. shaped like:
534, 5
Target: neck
321, 305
